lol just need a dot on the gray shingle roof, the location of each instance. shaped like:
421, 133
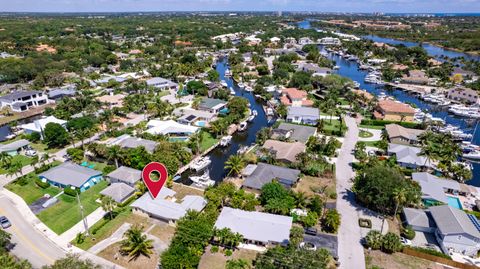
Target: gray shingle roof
418, 217
118, 191
126, 174
18, 94
450, 220
434, 187
310, 112
265, 173
15, 145
256, 226
300, 133
127, 141
408, 155
395, 130
209, 103
70, 174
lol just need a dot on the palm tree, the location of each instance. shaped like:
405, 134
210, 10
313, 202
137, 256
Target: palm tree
108, 204
235, 164
5, 159
399, 195
195, 140
114, 153
15, 168
136, 243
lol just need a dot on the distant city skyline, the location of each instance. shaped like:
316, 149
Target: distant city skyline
386, 6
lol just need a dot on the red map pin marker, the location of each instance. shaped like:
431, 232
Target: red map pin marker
154, 187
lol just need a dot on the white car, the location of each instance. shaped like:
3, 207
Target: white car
31, 152
405, 241
308, 245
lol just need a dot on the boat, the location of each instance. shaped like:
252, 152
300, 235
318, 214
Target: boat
228, 73
251, 118
232, 92
243, 126
336, 67
254, 112
474, 155
248, 89
225, 141
241, 85
201, 163
356, 84
203, 180
242, 150
224, 83
269, 111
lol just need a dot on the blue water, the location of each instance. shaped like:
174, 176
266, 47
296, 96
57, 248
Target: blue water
350, 69
454, 202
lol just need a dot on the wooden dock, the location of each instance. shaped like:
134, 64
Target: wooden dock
416, 89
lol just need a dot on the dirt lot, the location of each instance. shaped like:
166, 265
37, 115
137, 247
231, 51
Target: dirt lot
311, 185
112, 254
397, 261
163, 232
183, 190
219, 260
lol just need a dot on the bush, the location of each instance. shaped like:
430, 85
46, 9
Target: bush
431, 252
108, 169
373, 239
405, 124
43, 168
365, 223
41, 184
33, 137
68, 191
228, 252
408, 233
128, 201
391, 243
99, 225
214, 249
22, 181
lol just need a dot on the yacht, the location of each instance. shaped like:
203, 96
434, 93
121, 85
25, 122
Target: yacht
224, 83
228, 73
232, 92
242, 126
248, 89
251, 118
254, 112
225, 141
203, 180
474, 155
242, 150
241, 85
201, 163
336, 67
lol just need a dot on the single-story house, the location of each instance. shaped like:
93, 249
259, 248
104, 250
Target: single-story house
398, 134
464, 73
165, 208
56, 94
119, 192
126, 175
393, 111
212, 105
284, 151
162, 84
38, 126
15, 147
419, 219
256, 227
304, 115
294, 132
190, 116
434, 189
19, 101
173, 129
456, 230
257, 175
130, 142
72, 175
408, 156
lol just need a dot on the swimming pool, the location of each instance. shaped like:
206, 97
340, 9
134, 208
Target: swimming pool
454, 202
200, 123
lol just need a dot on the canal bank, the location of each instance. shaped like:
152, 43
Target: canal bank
220, 155
350, 69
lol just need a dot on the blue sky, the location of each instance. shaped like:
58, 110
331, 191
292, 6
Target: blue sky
448, 6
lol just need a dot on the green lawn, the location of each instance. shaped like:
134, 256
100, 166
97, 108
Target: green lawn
207, 141
22, 158
365, 134
372, 127
31, 192
333, 125
66, 213
371, 143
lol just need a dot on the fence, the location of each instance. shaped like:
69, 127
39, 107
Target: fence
415, 253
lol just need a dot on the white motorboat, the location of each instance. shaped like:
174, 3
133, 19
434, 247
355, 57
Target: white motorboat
228, 73
241, 85
242, 150
336, 67
254, 112
356, 84
203, 180
251, 118
242, 126
232, 92
248, 89
269, 111
201, 163
224, 83
474, 155
225, 141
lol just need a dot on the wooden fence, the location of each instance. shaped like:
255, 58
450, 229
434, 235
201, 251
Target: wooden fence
433, 258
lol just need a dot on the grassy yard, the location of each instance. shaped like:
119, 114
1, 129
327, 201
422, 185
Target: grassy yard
38, 146
372, 127
371, 143
207, 141
18, 158
365, 134
378, 259
66, 213
31, 192
333, 125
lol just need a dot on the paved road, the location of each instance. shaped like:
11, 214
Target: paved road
29, 243
350, 250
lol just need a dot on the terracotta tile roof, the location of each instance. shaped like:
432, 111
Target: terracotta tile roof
295, 93
390, 106
285, 100
307, 103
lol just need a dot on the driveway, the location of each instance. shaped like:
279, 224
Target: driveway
321, 240
350, 250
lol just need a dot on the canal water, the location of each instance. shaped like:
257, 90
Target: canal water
350, 69
220, 154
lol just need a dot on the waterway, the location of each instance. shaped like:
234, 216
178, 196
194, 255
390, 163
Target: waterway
350, 69
220, 154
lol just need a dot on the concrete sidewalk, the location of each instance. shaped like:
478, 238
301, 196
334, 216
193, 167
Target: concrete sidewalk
93, 218
117, 236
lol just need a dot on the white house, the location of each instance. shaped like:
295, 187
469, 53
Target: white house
173, 129
23, 100
463, 94
162, 84
38, 126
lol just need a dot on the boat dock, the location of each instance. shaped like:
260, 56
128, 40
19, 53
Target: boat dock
416, 89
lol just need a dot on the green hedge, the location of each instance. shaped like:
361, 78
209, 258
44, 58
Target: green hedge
42, 184
68, 191
128, 201
431, 252
405, 124
408, 233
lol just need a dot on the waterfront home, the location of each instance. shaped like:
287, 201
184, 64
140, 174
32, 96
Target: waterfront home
415, 77
435, 189
257, 175
119, 192
38, 126
15, 147
262, 229
165, 208
366, 95
275, 40
305, 41
190, 116
19, 101
293, 132
212, 105
408, 156
126, 175
314, 69
284, 151
127, 141
173, 129
419, 219
466, 75
463, 94
393, 111
329, 41
303, 115
162, 84
253, 40
295, 97
71, 175
398, 134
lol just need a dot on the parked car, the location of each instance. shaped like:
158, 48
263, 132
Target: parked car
311, 231
406, 241
4, 222
308, 245
30, 152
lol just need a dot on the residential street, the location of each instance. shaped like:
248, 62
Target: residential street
29, 243
350, 250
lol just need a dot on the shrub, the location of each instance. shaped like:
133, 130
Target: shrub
22, 181
108, 169
391, 243
127, 202
80, 238
99, 225
373, 239
69, 191
228, 252
214, 249
41, 184
412, 125
365, 223
408, 232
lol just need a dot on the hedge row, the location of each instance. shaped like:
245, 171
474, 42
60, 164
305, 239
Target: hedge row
413, 125
41, 184
431, 252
